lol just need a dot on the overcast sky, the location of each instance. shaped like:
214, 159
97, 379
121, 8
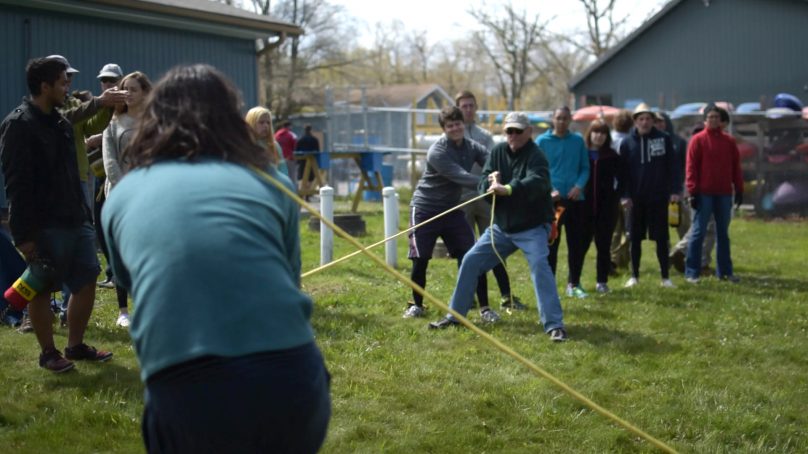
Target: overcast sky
446, 19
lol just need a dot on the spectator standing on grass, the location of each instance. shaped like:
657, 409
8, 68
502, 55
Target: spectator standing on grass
448, 163
49, 219
109, 77
259, 119
306, 144
621, 126
713, 174
227, 353
116, 138
569, 172
602, 198
478, 213
518, 173
287, 140
649, 173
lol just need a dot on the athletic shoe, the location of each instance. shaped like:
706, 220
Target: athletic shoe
505, 303
85, 352
414, 311
575, 291
691, 280
631, 282
52, 360
443, 323
489, 316
107, 283
558, 335
667, 283
25, 326
123, 321
602, 288
677, 260
732, 278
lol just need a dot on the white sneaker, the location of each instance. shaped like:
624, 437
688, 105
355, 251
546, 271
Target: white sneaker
692, 280
123, 321
667, 283
489, 316
414, 311
631, 282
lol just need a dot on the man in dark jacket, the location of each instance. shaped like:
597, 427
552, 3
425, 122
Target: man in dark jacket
48, 217
518, 174
651, 179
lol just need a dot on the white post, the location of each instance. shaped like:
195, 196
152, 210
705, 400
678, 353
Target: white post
390, 199
326, 234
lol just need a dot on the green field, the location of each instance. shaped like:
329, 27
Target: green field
715, 368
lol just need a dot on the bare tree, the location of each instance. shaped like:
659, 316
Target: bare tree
507, 42
602, 29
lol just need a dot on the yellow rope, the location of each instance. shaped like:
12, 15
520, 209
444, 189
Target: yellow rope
352, 254
465, 322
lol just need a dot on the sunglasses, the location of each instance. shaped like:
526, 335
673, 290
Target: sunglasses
514, 131
109, 80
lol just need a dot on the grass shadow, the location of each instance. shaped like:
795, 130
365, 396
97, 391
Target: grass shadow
628, 342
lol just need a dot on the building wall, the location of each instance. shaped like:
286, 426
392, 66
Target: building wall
732, 50
90, 42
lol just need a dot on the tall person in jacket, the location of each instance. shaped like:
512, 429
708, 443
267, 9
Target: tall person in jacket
713, 173
569, 171
648, 169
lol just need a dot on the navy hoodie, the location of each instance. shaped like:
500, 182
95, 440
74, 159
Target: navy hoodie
648, 166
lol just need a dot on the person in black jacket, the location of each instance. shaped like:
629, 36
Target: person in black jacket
49, 219
602, 198
648, 169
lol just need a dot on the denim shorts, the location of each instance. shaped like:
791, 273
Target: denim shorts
70, 255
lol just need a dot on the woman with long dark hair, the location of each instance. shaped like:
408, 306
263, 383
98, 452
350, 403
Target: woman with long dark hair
211, 253
602, 198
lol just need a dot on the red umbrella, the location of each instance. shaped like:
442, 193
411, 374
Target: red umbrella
590, 113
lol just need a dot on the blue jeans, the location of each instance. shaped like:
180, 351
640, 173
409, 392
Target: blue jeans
720, 207
481, 258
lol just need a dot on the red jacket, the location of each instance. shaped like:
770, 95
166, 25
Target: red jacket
713, 164
287, 140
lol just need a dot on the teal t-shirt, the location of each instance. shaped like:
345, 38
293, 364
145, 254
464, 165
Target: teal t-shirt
211, 255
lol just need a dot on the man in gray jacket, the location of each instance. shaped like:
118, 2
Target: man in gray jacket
448, 163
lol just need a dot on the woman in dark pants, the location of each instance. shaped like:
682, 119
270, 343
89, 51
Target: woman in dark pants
211, 254
601, 198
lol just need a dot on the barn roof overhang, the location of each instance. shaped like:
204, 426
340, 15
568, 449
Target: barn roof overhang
192, 15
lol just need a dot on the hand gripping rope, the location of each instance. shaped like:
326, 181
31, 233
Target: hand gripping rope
465, 322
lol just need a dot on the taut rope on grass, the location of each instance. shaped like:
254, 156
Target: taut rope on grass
352, 254
465, 322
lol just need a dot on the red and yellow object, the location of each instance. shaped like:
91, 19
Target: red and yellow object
23, 290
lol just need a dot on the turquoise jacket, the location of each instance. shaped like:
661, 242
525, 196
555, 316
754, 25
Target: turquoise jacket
569, 161
211, 254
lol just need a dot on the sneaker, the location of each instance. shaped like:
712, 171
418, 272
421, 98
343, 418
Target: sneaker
558, 335
489, 316
575, 291
443, 323
85, 352
631, 282
691, 280
677, 260
52, 360
107, 283
414, 311
731, 278
123, 321
505, 303
602, 288
666, 283
25, 326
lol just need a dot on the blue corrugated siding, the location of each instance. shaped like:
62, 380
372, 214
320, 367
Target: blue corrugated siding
734, 50
89, 43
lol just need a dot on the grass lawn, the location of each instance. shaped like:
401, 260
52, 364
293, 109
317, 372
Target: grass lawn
716, 367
